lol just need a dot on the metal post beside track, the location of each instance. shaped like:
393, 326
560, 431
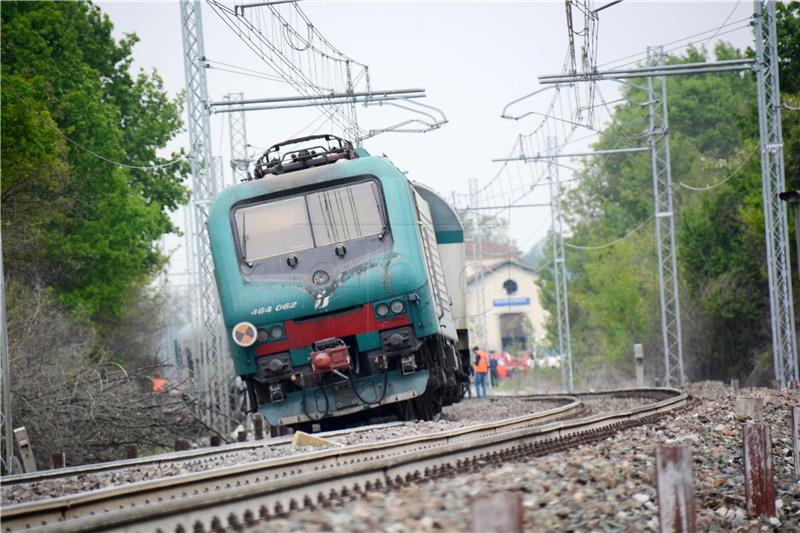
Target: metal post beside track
675, 485
759, 483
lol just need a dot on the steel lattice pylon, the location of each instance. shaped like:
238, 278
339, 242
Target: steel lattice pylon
559, 267
658, 140
238, 135
784, 341
211, 366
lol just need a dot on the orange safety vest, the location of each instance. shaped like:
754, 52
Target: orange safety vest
159, 384
483, 364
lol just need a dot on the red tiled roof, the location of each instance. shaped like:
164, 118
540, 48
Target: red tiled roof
490, 250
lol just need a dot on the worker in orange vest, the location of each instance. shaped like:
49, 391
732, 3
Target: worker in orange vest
481, 369
159, 383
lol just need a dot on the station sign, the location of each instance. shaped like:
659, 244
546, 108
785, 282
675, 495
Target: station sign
510, 302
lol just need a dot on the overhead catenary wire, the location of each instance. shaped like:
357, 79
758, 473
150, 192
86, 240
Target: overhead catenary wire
612, 243
684, 42
98, 156
731, 175
301, 72
724, 22
243, 71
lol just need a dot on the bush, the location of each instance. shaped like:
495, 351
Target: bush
72, 397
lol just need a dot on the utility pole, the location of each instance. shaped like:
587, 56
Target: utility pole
477, 249
205, 184
658, 141
784, 341
7, 419
238, 137
559, 267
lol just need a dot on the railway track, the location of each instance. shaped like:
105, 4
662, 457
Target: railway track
232, 497
198, 455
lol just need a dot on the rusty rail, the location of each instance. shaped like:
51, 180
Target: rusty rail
244, 494
198, 455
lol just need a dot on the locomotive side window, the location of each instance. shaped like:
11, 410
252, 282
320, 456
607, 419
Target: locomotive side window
274, 228
345, 213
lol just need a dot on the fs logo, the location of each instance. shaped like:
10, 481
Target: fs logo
322, 300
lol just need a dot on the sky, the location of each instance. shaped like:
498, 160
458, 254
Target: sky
472, 58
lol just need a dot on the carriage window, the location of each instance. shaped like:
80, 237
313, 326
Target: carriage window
345, 213
273, 228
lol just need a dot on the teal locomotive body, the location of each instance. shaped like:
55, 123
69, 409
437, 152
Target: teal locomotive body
341, 285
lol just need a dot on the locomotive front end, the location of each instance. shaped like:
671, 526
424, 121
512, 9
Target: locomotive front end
324, 289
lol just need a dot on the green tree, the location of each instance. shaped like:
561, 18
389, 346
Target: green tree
83, 225
719, 223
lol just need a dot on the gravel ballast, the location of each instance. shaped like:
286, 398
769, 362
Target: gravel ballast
606, 486
468, 412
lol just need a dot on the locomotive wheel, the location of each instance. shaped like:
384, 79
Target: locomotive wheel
425, 407
405, 411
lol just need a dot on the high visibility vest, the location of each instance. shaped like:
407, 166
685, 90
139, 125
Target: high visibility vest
483, 363
159, 384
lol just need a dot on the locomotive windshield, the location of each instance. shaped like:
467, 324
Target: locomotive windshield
311, 220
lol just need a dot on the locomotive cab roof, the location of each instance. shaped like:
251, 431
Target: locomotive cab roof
318, 150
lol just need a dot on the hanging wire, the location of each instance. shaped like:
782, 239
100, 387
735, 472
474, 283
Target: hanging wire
731, 175
641, 56
612, 243
92, 152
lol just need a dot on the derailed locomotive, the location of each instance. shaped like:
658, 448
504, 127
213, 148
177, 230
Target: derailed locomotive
342, 287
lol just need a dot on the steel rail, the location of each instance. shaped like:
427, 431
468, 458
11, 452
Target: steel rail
195, 455
59, 510
245, 493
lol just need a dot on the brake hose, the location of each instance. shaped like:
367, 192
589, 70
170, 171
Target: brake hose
327, 405
377, 402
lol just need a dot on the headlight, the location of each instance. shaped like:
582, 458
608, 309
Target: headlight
397, 306
382, 309
320, 277
244, 334
262, 335
275, 332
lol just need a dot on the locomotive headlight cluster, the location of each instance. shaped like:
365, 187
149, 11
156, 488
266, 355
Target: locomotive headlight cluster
395, 307
245, 334
270, 334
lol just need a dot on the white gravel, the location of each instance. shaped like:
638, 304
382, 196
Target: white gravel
468, 412
607, 486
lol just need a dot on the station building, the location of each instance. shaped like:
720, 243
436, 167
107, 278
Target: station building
513, 313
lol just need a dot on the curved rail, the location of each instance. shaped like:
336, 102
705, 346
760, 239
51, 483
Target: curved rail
242, 494
194, 455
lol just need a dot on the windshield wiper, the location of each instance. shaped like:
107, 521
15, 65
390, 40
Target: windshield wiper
382, 234
243, 258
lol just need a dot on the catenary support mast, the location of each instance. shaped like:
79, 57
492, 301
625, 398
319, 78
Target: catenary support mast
211, 372
784, 341
5, 412
238, 137
559, 267
658, 140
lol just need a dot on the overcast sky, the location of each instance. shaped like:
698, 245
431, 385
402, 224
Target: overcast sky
471, 57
